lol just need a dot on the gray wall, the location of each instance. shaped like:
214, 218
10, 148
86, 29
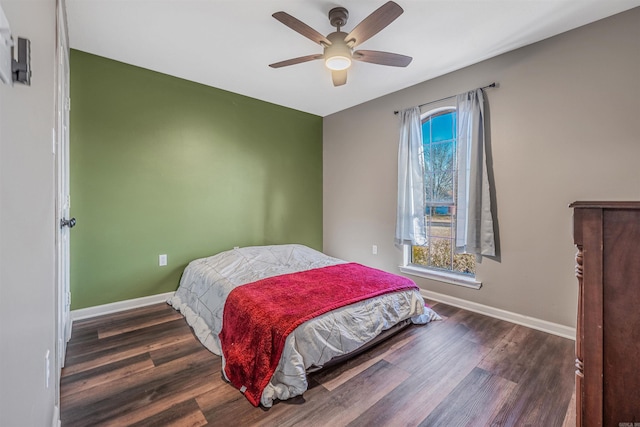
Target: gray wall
564, 125
27, 285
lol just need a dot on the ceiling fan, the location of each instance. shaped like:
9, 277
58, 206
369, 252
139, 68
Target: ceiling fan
338, 46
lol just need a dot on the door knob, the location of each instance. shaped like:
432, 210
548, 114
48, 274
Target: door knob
67, 222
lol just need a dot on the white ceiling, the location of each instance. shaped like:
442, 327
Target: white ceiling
228, 44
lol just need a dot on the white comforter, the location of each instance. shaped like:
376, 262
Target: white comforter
206, 283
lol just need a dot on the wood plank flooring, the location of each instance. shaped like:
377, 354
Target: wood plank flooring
144, 367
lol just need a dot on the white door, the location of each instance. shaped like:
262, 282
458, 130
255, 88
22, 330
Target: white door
63, 222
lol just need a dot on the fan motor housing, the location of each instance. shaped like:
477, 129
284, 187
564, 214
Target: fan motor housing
338, 17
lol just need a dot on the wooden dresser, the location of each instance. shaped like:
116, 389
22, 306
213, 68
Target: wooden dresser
607, 235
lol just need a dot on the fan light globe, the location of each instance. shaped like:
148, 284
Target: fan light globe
338, 63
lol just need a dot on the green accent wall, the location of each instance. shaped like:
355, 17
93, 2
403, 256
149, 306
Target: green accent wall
161, 165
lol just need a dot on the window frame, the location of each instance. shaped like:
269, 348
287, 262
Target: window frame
437, 274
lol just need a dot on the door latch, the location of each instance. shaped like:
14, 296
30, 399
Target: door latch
67, 222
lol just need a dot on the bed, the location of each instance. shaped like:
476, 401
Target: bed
206, 286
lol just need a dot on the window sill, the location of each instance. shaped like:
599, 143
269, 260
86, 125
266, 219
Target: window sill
441, 276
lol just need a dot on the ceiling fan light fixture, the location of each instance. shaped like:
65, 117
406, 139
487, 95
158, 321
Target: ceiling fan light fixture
337, 55
338, 62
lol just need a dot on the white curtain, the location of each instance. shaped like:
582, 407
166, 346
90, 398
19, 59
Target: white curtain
410, 225
474, 227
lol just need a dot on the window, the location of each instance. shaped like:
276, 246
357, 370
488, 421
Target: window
437, 258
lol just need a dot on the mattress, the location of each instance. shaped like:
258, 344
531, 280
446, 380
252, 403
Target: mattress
206, 283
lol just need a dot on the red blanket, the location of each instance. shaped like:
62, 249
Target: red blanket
259, 316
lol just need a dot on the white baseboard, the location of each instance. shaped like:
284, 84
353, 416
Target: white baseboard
114, 307
55, 422
519, 319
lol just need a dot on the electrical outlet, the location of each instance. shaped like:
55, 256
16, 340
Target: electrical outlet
162, 260
374, 249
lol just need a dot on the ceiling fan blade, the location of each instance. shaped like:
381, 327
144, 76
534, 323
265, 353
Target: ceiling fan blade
294, 61
300, 27
339, 77
374, 23
382, 58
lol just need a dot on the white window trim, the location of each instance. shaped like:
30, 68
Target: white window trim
438, 275
435, 111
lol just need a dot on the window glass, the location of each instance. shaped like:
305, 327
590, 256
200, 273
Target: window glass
440, 143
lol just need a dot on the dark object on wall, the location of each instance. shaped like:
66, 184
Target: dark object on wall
607, 235
21, 68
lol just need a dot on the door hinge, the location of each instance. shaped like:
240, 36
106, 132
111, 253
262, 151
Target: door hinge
67, 104
68, 299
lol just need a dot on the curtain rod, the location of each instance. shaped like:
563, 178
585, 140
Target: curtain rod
447, 97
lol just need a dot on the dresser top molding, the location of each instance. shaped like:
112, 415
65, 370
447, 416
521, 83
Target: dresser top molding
607, 205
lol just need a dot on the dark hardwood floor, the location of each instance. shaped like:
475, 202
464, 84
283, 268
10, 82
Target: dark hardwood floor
145, 367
